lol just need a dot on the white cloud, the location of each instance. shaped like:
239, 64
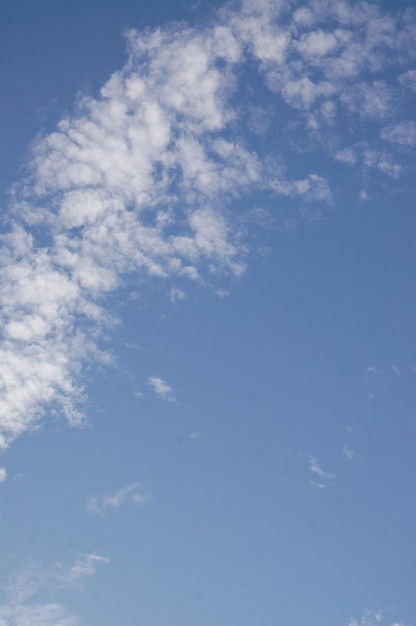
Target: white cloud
3, 474
347, 155
348, 454
36, 615
316, 43
84, 566
408, 80
100, 504
403, 132
24, 585
32, 578
314, 188
161, 388
324, 478
142, 178
371, 618
372, 101
176, 294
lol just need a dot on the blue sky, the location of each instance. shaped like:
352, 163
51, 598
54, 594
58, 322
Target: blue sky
207, 366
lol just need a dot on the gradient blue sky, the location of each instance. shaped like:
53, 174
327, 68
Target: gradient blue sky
207, 362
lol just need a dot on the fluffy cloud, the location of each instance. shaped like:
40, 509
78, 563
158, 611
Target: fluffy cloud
144, 177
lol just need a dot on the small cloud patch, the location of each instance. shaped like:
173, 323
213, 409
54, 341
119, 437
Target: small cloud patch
100, 504
322, 479
161, 388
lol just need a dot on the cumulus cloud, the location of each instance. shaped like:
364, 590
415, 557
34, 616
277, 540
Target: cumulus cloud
143, 178
100, 504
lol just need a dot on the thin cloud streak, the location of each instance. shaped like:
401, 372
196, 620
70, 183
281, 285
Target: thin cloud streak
324, 478
100, 504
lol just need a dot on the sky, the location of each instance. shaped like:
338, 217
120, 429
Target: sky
207, 288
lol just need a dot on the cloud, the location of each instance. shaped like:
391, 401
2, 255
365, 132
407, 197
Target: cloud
348, 454
143, 179
325, 478
36, 615
371, 101
372, 618
176, 294
3, 474
27, 583
32, 578
408, 80
84, 566
403, 133
161, 388
130, 493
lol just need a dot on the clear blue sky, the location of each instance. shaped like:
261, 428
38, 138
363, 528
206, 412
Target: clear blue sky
207, 358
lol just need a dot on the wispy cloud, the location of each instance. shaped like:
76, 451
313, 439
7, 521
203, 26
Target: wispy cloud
36, 615
403, 132
372, 618
348, 454
322, 478
3, 474
24, 585
395, 369
31, 578
84, 566
130, 493
161, 388
143, 178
